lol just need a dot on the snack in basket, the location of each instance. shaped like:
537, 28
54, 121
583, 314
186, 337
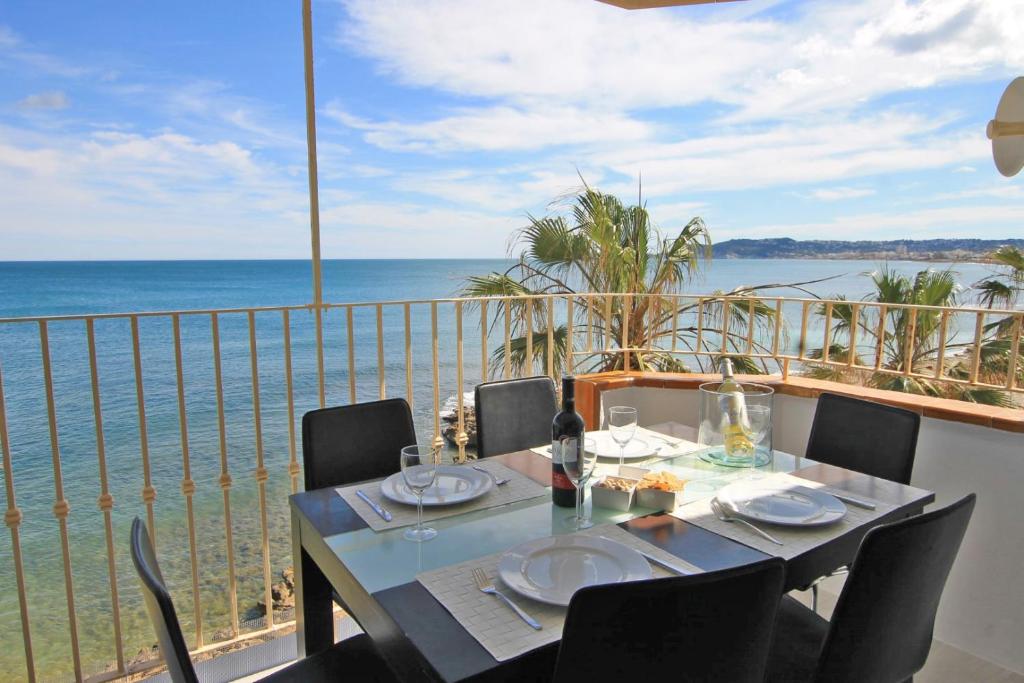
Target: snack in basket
662, 481
617, 483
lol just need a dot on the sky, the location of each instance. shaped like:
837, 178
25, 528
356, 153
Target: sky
176, 129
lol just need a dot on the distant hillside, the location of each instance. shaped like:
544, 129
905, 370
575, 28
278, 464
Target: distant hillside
912, 250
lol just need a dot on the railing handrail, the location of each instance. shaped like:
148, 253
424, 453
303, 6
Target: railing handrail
456, 299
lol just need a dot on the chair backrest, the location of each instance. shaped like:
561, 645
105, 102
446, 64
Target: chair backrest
706, 627
160, 608
356, 442
863, 436
515, 414
881, 629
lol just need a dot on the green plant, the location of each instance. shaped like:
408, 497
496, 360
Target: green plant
903, 362
607, 246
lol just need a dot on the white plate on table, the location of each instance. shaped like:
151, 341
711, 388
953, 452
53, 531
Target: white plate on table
784, 505
454, 484
552, 569
605, 447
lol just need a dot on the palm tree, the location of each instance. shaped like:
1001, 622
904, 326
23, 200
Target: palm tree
1006, 284
608, 247
926, 288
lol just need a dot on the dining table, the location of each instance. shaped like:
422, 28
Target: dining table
379, 576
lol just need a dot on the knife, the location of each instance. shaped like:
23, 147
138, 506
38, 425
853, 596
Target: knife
651, 558
665, 565
856, 502
384, 514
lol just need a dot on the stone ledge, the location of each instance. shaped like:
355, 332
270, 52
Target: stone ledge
1006, 419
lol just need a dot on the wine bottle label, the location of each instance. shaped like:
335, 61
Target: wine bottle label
560, 481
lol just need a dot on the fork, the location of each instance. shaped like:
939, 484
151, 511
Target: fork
497, 482
719, 511
487, 586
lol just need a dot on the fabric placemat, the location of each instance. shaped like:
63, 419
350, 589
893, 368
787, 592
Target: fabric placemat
796, 540
673, 446
519, 487
496, 627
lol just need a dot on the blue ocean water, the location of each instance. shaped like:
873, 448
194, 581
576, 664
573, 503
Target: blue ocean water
68, 288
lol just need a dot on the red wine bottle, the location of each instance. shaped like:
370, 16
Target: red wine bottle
566, 433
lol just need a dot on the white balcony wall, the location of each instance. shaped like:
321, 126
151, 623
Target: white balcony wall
982, 610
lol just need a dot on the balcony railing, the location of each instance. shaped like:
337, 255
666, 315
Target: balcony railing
122, 405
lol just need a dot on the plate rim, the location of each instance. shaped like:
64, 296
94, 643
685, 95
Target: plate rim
648, 453
830, 516
469, 471
511, 562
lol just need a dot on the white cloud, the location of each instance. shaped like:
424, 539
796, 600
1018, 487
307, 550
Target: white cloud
44, 100
810, 151
14, 49
411, 230
514, 190
131, 195
671, 215
832, 194
1001, 191
8, 39
965, 169
579, 51
497, 128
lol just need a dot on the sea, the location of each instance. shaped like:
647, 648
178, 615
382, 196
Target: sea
30, 289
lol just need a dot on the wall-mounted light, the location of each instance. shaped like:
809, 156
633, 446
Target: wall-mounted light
1006, 130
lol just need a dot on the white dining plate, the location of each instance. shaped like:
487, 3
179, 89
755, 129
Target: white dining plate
454, 484
785, 505
637, 448
552, 569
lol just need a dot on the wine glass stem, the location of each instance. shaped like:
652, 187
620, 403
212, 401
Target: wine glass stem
419, 511
579, 505
622, 457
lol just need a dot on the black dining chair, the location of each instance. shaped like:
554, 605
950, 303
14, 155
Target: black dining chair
715, 626
361, 441
354, 658
864, 436
881, 629
514, 414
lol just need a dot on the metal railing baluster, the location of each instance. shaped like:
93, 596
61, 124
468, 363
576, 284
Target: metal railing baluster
105, 501
293, 463
12, 518
260, 473
148, 491
61, 508
225, 476
188, 486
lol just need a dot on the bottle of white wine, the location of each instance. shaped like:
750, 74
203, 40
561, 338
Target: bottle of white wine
735, 408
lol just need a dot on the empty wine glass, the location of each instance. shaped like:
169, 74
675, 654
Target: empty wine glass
419, 470
758, 422
579, 465
622, 426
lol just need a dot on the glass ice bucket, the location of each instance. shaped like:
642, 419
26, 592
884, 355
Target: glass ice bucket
736, 429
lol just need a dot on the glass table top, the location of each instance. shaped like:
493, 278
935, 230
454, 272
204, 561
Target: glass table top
384, 559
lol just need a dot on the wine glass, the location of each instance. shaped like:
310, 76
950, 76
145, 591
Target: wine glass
759, 420
419, 470
579, 465
622, 426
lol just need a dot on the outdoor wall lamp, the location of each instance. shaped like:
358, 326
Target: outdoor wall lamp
1006, 130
